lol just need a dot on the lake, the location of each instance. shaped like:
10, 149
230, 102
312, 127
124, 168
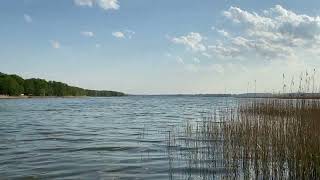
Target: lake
99, 138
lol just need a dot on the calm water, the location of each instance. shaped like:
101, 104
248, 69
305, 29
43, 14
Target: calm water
97, 138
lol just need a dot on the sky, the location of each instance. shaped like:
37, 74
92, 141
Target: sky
162, 47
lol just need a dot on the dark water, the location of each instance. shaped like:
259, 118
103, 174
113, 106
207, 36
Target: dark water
97, 138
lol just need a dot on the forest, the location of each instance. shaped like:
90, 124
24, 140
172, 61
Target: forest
14, 85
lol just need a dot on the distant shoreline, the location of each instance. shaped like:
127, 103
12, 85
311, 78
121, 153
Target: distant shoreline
199, 95
40, 97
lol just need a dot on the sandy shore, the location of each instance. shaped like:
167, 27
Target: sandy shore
13, 97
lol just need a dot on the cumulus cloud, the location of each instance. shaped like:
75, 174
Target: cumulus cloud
274, 33
87, 33
27, 18
193, 41
104, 4
55, 44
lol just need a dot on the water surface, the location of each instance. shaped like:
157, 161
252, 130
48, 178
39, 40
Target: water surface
97, 138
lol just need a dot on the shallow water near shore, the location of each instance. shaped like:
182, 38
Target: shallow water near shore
99, 138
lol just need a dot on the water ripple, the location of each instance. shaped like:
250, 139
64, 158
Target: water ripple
97, 138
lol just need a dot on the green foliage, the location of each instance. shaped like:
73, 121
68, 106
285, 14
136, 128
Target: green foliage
14, 85
9, 86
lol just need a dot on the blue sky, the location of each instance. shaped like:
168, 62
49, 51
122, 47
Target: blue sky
161, 47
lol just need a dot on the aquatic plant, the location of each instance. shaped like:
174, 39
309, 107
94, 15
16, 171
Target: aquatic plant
259, 139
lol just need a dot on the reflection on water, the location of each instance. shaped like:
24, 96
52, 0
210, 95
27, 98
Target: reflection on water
107, 138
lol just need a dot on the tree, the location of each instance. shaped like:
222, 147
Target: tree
14, 85
29, 87
9, 86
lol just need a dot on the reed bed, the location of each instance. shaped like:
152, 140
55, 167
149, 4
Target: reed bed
259, 139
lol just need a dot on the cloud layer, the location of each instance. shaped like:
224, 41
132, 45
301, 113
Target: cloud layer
104, 4
275, 33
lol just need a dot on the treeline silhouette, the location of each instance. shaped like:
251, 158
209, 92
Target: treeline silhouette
14, 85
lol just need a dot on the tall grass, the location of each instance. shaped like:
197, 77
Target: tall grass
277, 138
260, 139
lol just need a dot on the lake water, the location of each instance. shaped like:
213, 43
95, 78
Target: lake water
97, 138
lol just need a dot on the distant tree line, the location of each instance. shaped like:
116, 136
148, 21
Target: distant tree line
14, 85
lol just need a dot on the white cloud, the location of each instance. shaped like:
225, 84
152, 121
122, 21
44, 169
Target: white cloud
123, 34
98, 45
55, 44
108, 4
240, 16
104, 4
221, 49
118, 34
277, 33
27, 18
193, 41
84, 2
87, 33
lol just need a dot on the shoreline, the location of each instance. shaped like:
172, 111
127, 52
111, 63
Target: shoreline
238, 97
13, 97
